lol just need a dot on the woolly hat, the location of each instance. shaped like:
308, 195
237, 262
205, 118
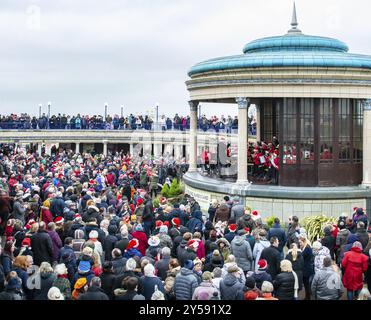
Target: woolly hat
60, 269
58, 220
250, 282
139, 227
232, 227
84, 266
192, 244
93, 234
158, 223
188, 264
14, 283
263, 264
26, 242
154, 241
133, 243
357, 244
55, 294
163, 229
80, 283
175, 222
317, 245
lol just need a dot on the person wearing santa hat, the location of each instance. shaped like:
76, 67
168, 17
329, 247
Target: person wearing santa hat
132, 249
232, 232
190, 252
260, 275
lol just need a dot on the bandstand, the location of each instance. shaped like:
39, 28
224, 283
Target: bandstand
313, 95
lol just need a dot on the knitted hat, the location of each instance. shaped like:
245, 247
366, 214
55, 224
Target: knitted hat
232, 227
357, 244
93, 234
133, 243
139, 227
163, 229
154, 241
158, 223
188, 264
84, 266
60, 269
58, 220
192, 244
80, 283
175, 222
55, 294
250, 282
263, 264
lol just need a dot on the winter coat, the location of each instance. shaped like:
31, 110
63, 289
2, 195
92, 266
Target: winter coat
277, 231
284, 286
122, 244
355, 263
143, 241
297, 266
146, 286
211, 211
126, 295
42, 247
64, 285
258, 249
57, 207
231, 288
66, 251
184, 255
165, 240
119, 265
230, 236
329, 242
46, 282
185, 284
46, 215
242, 251
237, 211
92, 212
308, 257
342, 237
214, 263
88, 275
362, 237
177, 213
18, 211
162, 266
6, 262
196, 223
109, 245
108, 281
92, 226
131, 253
273, 257
205, 291
57, 244
318, 258
94, 293
321, 290
246, 222
260, 277
222, 213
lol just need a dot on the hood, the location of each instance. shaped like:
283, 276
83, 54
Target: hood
344, 232
356, 249
185, 272
112, 229
45, 275
91, 209
327, 232
265, 243
183, 243
352, 238
198, 214
229, 280
238, 240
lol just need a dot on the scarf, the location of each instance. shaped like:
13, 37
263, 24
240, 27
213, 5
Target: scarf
64, 276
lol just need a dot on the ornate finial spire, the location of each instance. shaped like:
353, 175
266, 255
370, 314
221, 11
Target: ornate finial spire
294, 22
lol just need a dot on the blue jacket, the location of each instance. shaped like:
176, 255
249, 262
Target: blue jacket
6, 262
277, 231
57, 207
308, 256
196, 223
146, 286
131, 253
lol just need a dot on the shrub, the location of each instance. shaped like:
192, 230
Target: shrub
314, 226
270, 221
175, 189
165, 192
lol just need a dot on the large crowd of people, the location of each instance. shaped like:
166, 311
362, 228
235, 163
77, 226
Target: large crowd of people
227, 124
78, 227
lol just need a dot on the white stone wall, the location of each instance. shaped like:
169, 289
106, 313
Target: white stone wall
283, 208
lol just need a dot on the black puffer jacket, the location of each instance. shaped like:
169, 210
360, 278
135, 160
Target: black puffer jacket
42, 247
284, 286
94, 293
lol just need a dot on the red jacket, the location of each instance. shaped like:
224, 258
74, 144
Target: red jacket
201, 250
143, 241
355, 263
46, 215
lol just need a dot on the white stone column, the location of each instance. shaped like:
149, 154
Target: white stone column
258, 131
243, 104
193, 137
157, 150
147, 149
178, 150
366, 181
105, 147
169, 149
77, 150
39, 147
131, 150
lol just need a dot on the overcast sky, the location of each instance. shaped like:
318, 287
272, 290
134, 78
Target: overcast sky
81, 54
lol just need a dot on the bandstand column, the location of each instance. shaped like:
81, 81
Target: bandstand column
258, 131
366, 181
193, 136
105, 147
242, 139
157, 149
131, 150
77, 150
178, 148
39, 148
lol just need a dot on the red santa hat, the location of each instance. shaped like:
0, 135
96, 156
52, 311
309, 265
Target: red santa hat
133, 243
163, 200
91, 181
167, 223
158, 223
193, 243
58, 220
77, 216
132, 207
232, 227
255, 215
26, 242
355, 209
247, 229
139, 201
175, 222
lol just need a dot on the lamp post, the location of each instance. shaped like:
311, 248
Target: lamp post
157, 105
105, 111
122, 111
199, 111
40, 106
49, 104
